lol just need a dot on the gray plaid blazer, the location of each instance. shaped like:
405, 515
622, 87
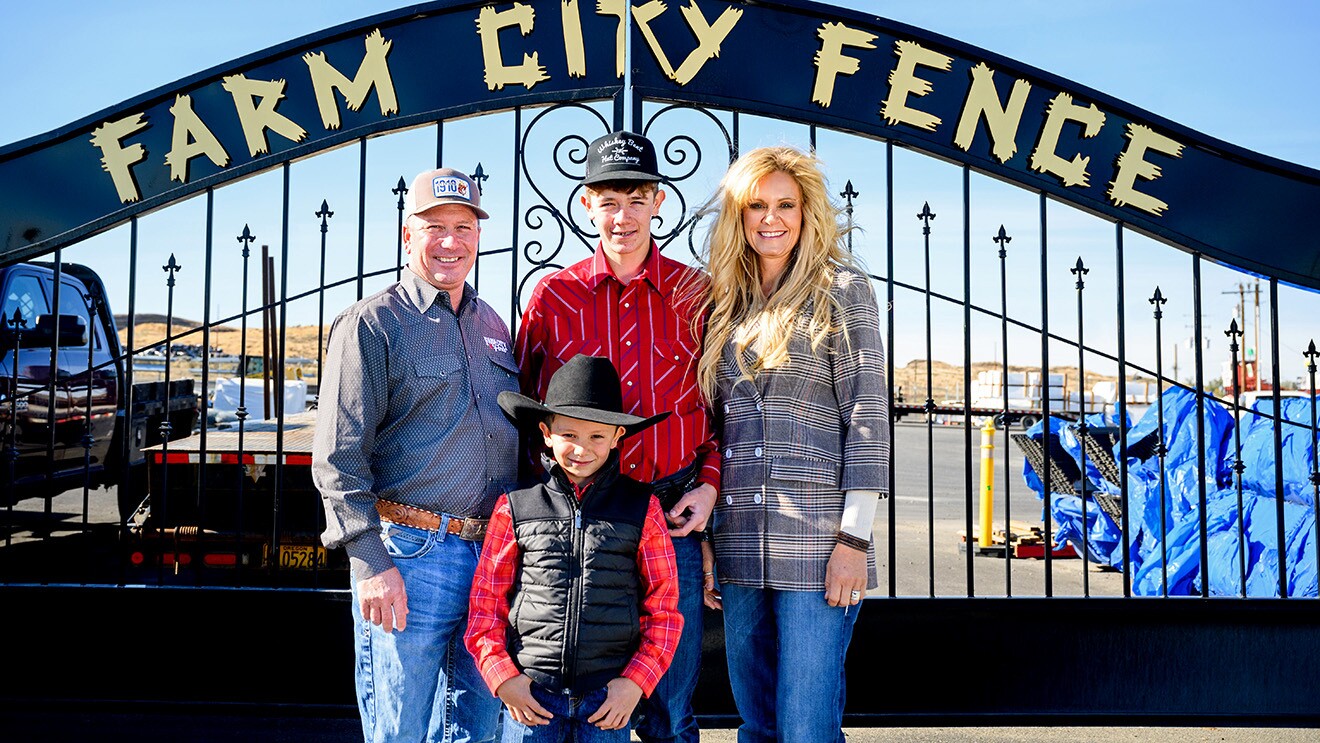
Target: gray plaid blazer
794, 440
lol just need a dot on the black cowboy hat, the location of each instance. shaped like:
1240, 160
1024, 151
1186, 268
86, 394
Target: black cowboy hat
586, 388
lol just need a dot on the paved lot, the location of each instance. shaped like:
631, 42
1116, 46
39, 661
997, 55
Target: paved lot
296, 728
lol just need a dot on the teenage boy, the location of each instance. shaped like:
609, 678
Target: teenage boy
574, 609
633, 306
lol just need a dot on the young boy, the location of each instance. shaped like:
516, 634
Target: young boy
574, 608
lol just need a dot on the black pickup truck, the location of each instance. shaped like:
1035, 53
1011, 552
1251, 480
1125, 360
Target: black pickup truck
67, 416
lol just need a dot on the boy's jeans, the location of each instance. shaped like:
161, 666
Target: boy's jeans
569, 722
786, 651
667, 714
421, 684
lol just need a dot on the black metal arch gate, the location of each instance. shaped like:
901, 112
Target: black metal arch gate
1113, 659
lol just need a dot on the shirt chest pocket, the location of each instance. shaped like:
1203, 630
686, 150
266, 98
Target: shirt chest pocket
567, 340
438, 378
676, 373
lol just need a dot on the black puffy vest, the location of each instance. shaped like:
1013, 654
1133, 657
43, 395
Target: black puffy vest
574, 613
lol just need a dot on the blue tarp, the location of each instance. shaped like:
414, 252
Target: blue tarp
1178, 545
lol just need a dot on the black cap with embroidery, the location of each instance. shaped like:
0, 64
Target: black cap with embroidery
621, 156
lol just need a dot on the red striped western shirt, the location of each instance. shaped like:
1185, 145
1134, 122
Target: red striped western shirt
660, 622
645, 329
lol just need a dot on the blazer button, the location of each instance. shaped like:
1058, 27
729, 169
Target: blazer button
758, 451
728, 452
728, 499
757, 498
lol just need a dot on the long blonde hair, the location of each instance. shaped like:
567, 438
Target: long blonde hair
734, 298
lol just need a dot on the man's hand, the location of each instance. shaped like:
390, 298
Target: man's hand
516, 693
692, 511
384, 602
845, 573
710, 594
620, 700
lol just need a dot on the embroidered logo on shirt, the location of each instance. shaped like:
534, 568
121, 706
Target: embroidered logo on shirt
495, 344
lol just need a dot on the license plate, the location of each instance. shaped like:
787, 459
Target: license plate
299, 556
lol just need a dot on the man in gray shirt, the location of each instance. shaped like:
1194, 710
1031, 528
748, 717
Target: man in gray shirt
411, 453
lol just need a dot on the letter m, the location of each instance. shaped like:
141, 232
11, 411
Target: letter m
373, 72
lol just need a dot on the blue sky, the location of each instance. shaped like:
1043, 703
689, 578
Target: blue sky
1241, 72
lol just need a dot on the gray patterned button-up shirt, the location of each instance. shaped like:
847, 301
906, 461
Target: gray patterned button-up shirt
407, 412
795, 439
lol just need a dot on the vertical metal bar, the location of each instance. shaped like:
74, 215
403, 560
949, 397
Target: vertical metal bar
166, 427
1278, 435
1200, 427
439, 144
1122, 408
889, 357
1311, 355
1161, 450
325, 214
925, 216
1002, 239
1238, 467
400, 190
1047, 518
281, 413
626, 94
969, 489
514, 314
93, 313
1082, 429
126, 480
52, 401
206, 373
267, 325
811, 136
11, 452
242, 413
362, 213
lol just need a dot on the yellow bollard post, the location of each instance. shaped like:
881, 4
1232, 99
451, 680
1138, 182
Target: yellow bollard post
987, 481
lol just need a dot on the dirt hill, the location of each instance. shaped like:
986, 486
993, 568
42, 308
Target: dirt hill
947, 379
300, 341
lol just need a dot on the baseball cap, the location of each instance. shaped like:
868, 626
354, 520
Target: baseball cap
443, 186
621, 156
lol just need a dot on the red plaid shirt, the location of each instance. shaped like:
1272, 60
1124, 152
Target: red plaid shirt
488, 612
645, 328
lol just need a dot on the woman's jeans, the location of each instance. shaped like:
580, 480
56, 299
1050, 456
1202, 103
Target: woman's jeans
786, 651
421, 684
569, 724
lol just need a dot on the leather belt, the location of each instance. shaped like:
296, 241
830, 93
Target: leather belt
473, 530
668, 490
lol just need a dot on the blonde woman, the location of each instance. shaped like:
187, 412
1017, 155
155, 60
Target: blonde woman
794, 363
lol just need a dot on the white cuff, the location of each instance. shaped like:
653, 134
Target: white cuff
859, 513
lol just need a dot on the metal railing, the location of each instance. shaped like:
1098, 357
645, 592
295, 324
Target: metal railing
250, 506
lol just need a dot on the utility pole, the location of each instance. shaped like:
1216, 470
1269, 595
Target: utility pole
1238, 378
1259, 349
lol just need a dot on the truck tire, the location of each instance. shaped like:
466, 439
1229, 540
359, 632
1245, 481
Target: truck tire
1027, 421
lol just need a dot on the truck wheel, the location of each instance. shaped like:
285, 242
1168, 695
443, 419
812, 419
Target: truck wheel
1027, 421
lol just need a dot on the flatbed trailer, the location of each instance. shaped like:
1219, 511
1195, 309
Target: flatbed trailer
227, 502
1026, 417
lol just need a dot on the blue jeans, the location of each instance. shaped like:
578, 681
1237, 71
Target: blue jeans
421, 684
569, 723
786, 651
666, 715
